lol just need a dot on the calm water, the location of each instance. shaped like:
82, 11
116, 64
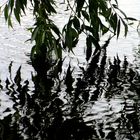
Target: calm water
100, 102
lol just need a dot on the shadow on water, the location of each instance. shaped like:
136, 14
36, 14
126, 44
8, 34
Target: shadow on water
101, 103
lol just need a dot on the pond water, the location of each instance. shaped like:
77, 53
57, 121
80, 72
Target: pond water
100, 102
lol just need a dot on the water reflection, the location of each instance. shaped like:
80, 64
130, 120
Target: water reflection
101, 103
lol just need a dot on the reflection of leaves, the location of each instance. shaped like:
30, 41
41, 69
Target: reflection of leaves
52, 112
1, 87
69, 79
111, 134
72, 129
17, 78
8, 131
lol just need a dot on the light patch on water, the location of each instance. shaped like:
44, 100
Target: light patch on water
102, 109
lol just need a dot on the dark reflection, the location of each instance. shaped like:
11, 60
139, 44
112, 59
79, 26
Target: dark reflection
103, 103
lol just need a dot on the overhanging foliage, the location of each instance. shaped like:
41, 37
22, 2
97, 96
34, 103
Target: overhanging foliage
95, 18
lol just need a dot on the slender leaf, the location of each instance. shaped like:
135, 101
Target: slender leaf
76, 23
6, 12
89, 48
118, 28
34, 34
17, 15
125, 27
85, 15
10, 22
130, 18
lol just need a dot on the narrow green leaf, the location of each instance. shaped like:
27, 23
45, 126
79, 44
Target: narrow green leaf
76, 23
69, 39
34, 34
116, 2
74, 33
104, 29
85, 15
118, 29
9, 22
55, 29
43, 37
11, 4
74, 42
130, 18
113, 22
33, 51
22, 6
48, 6
59, 52
122, 12
125, 27
6, 12
80, 4
89, 48
17, 16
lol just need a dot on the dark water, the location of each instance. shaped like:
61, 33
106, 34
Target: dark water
101, 103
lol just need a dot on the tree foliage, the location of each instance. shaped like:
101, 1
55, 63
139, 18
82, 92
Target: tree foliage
94, 18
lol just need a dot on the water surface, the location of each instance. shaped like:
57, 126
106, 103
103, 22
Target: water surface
99, 102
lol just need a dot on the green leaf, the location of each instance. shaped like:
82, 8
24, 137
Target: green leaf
122, 12
89, 47
130, 18
59, 51
55, 29
106, 14
93, 7
16, 13
9, 22
6, 12
113, 21
34, 34
33, 51
104, 29
125, 27
76, 23
118, 28
49, 7
88, 28
79, 7
74, 42
68, 39
85, 15
43, 37
22, 4
116, 2
71, 36
11, 4
74, 33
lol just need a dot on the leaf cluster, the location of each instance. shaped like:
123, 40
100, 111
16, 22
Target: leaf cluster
94, 18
